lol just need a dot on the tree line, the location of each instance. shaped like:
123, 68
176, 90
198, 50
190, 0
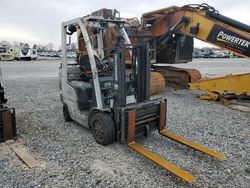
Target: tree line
50, 47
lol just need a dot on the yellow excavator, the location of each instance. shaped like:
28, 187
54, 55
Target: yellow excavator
175, 28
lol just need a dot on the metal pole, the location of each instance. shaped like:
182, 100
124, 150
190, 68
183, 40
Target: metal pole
93, 65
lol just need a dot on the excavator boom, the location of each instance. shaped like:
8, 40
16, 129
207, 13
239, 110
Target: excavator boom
202, 22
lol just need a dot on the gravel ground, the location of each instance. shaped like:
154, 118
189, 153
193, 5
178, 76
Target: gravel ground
71, 157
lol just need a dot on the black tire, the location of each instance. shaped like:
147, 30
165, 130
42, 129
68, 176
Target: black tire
102, 128
66, 113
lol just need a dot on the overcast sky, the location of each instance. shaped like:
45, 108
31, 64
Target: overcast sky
38, 21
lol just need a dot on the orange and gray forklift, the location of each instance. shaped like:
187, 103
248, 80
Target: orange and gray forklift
111, 97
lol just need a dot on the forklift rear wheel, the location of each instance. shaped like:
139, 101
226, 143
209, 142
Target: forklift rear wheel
66, 113
103, 128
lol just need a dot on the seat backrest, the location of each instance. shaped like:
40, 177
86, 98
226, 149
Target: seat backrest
74, 73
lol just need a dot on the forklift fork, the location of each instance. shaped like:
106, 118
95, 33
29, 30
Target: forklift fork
156, 159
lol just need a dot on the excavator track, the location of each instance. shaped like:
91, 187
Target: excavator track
178, 77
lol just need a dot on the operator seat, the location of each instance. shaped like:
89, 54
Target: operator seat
85, 66
81, 80
104, 68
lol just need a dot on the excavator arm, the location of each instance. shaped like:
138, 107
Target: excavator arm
202, 22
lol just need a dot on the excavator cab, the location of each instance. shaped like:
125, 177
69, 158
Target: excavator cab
116, 106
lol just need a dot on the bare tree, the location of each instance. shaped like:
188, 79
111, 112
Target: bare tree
16, 44
40, 48
5, 43
50, 46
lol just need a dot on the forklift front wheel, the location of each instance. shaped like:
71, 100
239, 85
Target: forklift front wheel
102, 127
66, 113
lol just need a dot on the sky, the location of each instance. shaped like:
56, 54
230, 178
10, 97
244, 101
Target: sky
39, 21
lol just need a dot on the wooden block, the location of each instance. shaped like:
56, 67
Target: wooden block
7, 125
21, 152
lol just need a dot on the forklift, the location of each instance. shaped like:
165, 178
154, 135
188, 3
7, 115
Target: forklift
111, 98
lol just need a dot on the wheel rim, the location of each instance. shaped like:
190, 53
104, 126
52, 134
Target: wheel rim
98, 128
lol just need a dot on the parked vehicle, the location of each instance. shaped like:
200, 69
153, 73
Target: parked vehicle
24, 52
71, 55
6, 52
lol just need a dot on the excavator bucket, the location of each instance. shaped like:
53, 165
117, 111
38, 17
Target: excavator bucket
131, 141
